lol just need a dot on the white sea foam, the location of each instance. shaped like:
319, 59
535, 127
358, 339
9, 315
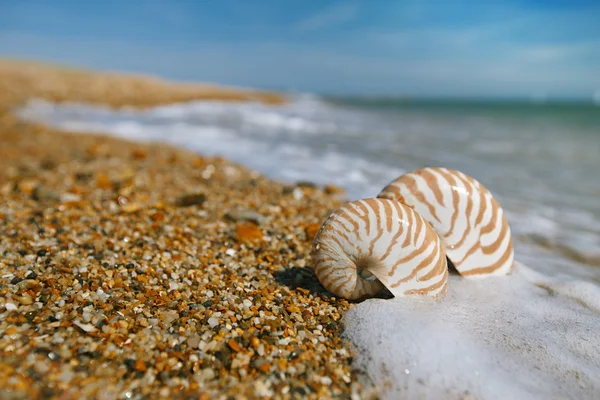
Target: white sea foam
268, 139
523, 336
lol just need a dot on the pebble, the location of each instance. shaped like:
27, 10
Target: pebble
298, 194
246, 215
332, 189
311, 230
25, 300
69, 197
43, 194
85, 327
188, 200
194, 341
167, 317
248, 232
87, 317
234, 345
103, 182
213, 322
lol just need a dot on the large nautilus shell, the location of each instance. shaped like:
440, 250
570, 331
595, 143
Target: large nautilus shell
465, 215
371, 243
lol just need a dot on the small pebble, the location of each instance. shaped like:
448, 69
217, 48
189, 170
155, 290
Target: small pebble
230, 252
191, 200
245, 215
85, 327
212, 322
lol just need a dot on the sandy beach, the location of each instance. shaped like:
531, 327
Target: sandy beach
132, 270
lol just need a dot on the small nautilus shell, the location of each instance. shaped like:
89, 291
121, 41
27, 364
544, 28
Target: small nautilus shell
465, 215
371, 243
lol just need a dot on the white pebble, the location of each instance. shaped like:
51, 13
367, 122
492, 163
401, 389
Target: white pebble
262, 390
212, 321
230, 252
85, 327
66, 375
208, 171
325, 380
67, 197
11, 307
298, 194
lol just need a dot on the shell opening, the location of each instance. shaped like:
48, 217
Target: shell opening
366, 274
364, 268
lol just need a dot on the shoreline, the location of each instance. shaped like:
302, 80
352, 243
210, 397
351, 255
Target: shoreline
147, 269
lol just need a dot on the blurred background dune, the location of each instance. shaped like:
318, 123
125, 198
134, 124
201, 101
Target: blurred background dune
22, 80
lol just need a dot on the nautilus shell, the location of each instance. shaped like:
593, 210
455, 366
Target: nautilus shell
371, 243
465, 215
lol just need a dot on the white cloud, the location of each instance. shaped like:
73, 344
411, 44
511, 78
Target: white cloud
333, 16
558, 52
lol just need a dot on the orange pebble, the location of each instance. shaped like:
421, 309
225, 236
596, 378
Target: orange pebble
311, 231
248, 232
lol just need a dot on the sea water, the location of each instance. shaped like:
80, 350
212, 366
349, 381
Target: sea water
534, 334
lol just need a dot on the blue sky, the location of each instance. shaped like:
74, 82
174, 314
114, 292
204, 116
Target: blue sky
382, 47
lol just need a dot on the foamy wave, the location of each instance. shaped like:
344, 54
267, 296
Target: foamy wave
524, 336
568, 232
258, 136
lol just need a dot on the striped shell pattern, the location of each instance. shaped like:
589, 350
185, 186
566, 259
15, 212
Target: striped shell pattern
371, 243
470, 222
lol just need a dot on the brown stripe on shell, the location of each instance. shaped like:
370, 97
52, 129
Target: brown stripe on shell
455, 199
420, 196
431, 181
508, 253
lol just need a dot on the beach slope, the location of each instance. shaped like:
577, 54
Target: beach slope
133, 270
